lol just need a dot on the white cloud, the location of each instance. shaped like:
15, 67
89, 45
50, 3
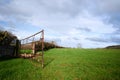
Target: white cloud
68, 22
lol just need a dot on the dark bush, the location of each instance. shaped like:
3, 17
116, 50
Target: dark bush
6, 38
113, 47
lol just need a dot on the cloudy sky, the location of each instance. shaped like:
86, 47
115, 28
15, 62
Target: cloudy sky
89, 23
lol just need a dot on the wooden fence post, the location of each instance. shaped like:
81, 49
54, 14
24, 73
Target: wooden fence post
33, 48
17, 46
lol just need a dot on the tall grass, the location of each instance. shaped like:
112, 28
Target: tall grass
19, 69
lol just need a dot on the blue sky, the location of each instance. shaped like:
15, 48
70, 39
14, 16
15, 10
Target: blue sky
91, 23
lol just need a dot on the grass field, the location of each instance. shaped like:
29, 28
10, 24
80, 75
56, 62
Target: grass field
65, 64
25, 51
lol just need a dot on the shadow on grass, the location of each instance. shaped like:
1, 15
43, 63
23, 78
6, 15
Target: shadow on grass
4, 58
48, 60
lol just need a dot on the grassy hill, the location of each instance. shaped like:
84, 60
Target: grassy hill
113, 47
65, 64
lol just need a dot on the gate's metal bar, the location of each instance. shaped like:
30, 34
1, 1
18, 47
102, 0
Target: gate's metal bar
32, 35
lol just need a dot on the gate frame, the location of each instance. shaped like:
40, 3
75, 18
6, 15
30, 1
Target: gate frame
33, 44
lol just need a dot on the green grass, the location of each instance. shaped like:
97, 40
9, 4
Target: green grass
19, 69
26, 51
65, 64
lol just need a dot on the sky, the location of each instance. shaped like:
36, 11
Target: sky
70, 23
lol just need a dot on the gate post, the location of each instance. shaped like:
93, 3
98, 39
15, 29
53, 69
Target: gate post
33, 48
42, 48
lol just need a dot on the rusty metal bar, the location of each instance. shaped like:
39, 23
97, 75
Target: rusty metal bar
32, 35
